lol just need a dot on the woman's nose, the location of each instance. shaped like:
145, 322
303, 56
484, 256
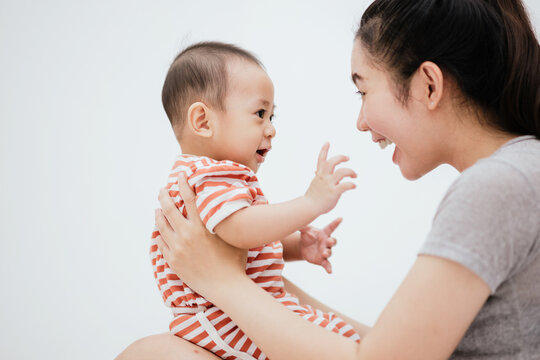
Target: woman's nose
361, 123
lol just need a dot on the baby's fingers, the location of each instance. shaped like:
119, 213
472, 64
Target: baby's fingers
327, 252
329, 229
331, 242
341, 173
346, 186
334, 161
327, 266
323, 154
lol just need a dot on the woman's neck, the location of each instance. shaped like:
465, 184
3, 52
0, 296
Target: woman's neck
474, 142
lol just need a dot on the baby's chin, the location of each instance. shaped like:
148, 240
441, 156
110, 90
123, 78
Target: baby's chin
253, 167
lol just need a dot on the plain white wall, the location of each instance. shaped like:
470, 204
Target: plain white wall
85, 147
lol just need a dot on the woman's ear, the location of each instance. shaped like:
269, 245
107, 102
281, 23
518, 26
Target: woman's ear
199, 119
432, 80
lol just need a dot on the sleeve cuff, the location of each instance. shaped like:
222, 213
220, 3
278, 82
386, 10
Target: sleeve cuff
464, 257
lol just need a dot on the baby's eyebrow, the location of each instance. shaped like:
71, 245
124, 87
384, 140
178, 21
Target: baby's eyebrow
266, 103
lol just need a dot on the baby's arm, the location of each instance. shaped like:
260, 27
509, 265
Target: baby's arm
262, 224
291, 247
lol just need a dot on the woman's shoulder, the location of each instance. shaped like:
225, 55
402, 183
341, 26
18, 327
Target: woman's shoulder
488, 219
513, 169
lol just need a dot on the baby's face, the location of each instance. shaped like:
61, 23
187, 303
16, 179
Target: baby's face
244, 131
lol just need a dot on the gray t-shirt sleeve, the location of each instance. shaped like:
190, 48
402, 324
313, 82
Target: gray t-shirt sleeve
486, 222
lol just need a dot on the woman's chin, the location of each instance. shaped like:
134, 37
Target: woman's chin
409, 172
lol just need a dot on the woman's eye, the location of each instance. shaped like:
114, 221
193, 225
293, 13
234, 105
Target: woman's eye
260, 113
361, 94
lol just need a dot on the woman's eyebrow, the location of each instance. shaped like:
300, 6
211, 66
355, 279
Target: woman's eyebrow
356, 77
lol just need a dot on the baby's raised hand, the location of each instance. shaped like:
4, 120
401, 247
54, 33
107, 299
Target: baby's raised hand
316, 244
326, 187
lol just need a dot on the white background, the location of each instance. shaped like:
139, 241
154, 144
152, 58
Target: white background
85, 146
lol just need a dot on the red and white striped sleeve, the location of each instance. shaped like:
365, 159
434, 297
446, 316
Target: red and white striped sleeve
222, 188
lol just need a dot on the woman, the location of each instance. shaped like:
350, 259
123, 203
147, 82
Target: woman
447, 81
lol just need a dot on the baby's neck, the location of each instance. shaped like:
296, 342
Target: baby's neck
198, 149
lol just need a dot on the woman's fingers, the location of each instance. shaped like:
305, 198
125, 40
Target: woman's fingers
187, 194
163, 248
164, 228
168, 207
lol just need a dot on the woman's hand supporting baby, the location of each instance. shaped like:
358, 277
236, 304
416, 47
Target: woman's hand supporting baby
181, 236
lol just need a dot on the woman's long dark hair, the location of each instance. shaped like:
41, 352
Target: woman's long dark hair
487, 46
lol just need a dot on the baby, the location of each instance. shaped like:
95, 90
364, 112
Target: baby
220, 103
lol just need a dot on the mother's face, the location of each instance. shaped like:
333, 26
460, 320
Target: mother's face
417, 149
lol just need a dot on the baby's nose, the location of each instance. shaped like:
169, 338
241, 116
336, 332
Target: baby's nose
270, 130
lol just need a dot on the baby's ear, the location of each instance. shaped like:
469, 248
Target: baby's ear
199, 119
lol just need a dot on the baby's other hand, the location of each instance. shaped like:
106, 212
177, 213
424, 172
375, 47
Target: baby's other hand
316, 244
326, 187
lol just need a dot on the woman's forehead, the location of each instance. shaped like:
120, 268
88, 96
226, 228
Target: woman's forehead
362, 69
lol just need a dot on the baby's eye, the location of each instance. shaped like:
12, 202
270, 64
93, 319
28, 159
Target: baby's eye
261, 113
272, 117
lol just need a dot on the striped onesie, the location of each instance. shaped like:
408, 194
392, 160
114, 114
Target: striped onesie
221, 188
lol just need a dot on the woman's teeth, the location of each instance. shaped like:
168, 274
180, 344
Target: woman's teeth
384, 143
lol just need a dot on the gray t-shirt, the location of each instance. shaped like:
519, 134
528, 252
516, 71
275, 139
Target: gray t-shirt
489, 221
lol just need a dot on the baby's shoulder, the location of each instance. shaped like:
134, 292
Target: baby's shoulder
203, 166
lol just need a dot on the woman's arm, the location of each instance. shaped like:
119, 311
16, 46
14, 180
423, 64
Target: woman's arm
425, 319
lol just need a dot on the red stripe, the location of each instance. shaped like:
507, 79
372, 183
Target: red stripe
185, 331
179, 320
237, 338
218, 207
246, 345
267, 256
272, 266
197, 339
263, 279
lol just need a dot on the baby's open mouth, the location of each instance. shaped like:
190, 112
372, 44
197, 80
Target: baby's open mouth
262, 152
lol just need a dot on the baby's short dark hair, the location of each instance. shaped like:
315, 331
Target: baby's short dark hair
199, 73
